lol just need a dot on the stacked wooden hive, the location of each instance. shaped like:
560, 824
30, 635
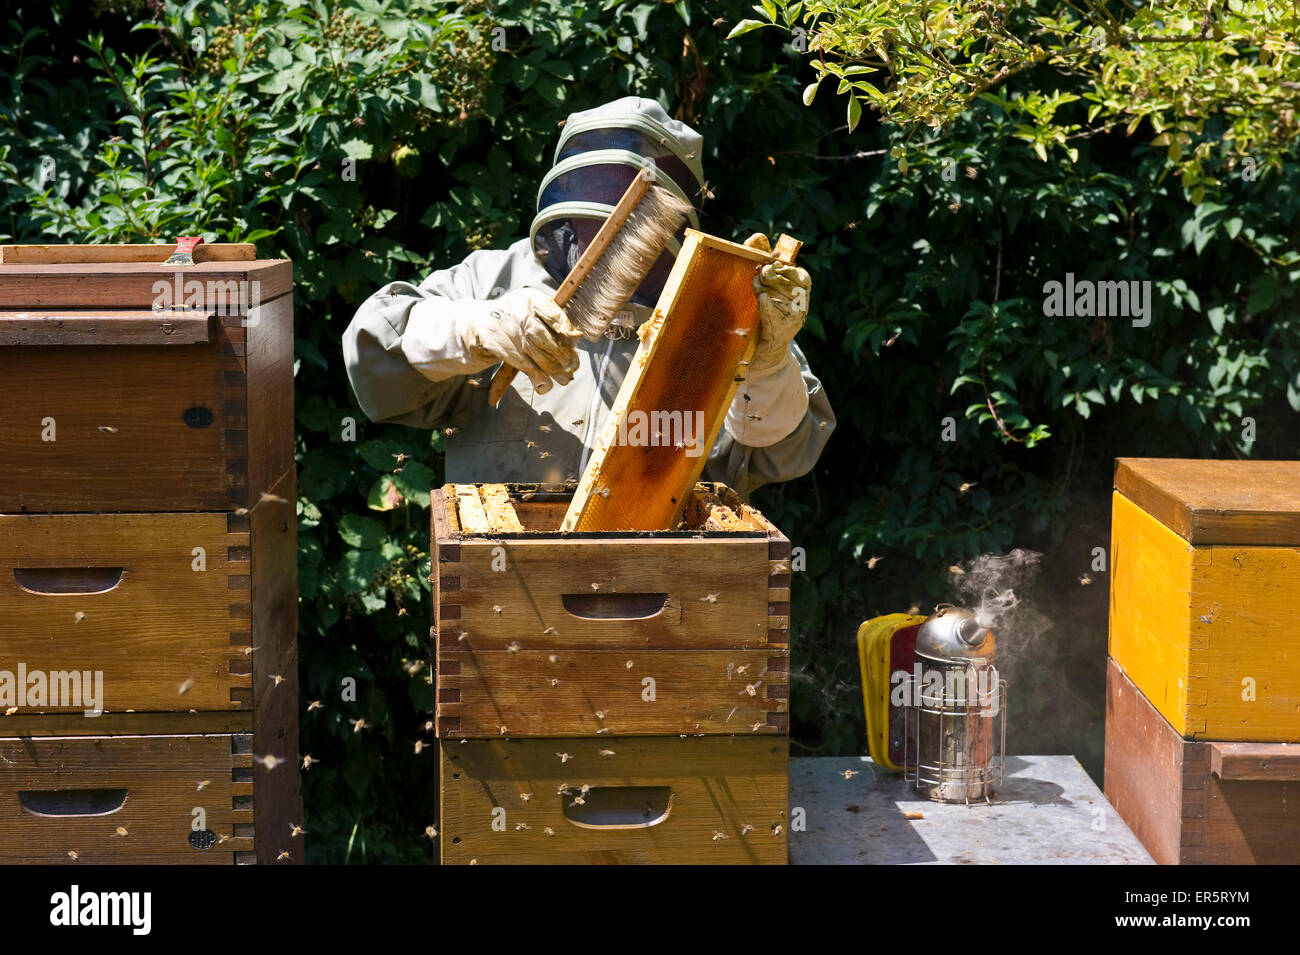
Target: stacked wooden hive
147, 548
1203, 709
609, 696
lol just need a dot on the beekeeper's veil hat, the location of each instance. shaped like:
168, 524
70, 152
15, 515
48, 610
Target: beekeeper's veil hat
599, 152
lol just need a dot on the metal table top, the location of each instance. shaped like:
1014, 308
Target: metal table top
1048, 812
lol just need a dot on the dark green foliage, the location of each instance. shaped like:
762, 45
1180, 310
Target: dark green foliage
927, 304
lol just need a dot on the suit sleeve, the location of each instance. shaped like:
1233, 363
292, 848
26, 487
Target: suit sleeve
746, 468
382, 336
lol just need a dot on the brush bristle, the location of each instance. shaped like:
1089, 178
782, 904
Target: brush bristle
626, 262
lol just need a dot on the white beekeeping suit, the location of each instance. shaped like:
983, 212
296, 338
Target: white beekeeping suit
423, 354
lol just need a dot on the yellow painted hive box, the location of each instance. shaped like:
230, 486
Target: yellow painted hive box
1205, 576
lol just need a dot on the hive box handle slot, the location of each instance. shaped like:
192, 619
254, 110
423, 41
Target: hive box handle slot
52, 581
618, 807
72, 802
614, 606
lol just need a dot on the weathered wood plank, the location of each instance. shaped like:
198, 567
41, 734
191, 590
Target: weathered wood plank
1268, 762
1217, 502
711, 594
1164, 788
155, 253
596, 692
500, 511
120, 594
705, 800
157, 782
102, 327
469, 507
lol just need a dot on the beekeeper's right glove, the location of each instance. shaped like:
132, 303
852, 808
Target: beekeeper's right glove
447, 338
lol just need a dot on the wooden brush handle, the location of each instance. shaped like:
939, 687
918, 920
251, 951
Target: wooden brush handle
641, 184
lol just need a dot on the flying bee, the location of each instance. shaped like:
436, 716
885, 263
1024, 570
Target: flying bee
270, 762
850, 773
295, 830
719, 834
892, 338
430, 832
122, 831
315, 705
956, 571
419, 747
401, 457
358, 725
512, 647
72, 854
705, 192
544, 428
966, 486
1084, 580
606, 753
277, 679
524, 797
564, 757
276, 498
185, 687
282, 856
108, 429
475, 382
203, 784
873, 561
709, 598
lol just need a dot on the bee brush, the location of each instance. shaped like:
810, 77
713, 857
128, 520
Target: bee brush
611, 268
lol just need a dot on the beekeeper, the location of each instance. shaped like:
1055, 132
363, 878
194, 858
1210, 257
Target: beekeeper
423, 355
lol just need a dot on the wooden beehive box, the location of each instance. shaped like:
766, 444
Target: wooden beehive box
148, 535
1195, 801
548, 633
716, 800
1205, 575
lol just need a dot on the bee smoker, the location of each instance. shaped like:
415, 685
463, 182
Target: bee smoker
955, 717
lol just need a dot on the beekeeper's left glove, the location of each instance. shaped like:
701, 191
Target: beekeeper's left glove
783, 292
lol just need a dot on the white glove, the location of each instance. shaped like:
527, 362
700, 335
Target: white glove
526, 330
783, 292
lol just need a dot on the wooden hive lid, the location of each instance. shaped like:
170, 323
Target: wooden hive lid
125, 276
1217, 502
